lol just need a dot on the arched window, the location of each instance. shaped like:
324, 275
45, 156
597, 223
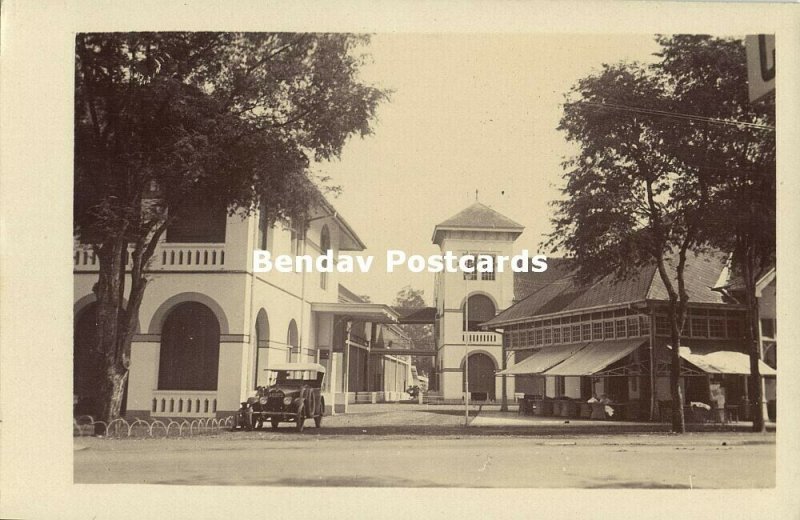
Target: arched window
481, 309
264, 236
261, 362
189, 357
292, 340
324, 245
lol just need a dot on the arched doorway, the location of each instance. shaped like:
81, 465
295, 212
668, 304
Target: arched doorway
189, 357
85, 362
481, 377
480, 309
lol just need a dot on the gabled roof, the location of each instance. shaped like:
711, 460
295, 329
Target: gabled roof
478, 216
565, 294
526, 284
350, 240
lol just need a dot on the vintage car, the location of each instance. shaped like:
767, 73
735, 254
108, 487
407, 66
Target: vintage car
292, 396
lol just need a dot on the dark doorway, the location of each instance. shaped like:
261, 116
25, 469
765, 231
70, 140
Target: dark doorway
189, 349
481, 377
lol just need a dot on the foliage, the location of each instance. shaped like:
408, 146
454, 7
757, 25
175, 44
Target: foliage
656, 179
227, 119
421, 335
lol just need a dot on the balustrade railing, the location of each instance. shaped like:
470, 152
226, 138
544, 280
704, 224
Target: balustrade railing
481, 338
182, 257
176, 403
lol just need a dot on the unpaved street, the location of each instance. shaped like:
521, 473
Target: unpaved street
500, 450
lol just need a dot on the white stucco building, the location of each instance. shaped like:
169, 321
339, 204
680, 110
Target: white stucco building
209, 325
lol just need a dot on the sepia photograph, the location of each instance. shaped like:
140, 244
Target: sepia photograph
403, 260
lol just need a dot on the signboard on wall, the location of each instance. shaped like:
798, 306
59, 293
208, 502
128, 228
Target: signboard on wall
760, 65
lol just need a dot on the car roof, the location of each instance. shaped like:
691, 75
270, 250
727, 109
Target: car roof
297, 366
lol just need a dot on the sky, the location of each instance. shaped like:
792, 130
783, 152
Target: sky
467, 112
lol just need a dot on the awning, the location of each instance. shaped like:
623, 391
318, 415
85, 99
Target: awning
542, 359
723, 361
374, 312
595, 358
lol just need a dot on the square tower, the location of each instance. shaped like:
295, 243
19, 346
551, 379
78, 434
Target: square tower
476, 230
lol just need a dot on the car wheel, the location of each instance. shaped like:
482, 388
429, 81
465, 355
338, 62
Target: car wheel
301, 419
275, 423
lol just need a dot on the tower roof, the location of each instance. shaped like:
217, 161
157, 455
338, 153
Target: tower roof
478, 217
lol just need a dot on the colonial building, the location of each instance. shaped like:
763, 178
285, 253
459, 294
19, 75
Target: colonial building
611, 338
209, 325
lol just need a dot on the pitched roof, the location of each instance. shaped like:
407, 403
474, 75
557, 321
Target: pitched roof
565, 294
478, 216
526, 284
346, 295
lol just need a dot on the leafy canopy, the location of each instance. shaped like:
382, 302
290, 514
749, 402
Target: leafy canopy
217, 117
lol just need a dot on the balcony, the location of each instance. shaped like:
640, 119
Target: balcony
168, 257
481, 338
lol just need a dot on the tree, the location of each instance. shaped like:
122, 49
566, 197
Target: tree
708, 76
420, 335
672, 159
629, 203
164, 120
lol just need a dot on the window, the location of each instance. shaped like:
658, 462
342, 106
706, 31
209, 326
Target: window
716, 328
198, 221
662, 326
566, 334
470, 264
608, 329
622, 329
548, 336
296, 233
644, 323
489, 275
556, 334
576, 333
263, 228
538, 337
768, 328
292, 342
586, 332
324, 245
597, 330
633, 326
699, 327
735, 329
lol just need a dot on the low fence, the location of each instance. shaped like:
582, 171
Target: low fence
85, 425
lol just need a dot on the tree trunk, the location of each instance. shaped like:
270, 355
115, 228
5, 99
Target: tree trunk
753, 345
116, 322
678, 421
